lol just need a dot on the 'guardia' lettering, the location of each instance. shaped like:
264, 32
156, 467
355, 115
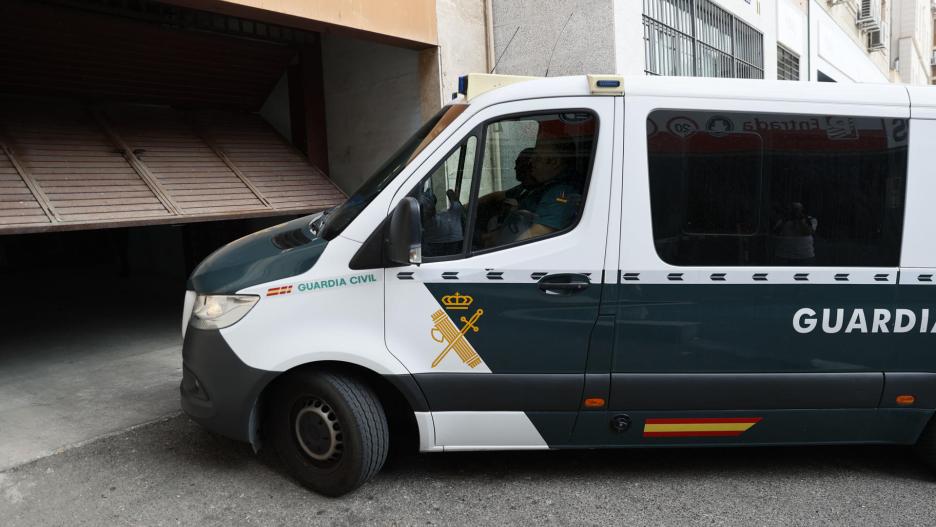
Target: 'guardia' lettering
876, 320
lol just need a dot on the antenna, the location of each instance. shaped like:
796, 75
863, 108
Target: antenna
553, 52
496, 62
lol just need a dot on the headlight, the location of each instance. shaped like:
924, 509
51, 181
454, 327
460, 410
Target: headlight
220, 311
187, 305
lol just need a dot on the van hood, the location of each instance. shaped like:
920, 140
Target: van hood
277, 252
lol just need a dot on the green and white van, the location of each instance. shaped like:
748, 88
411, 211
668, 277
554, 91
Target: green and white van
587, 262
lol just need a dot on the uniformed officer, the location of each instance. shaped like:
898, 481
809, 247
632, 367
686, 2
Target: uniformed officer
545, 201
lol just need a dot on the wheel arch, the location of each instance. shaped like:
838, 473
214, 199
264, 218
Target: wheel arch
399, 395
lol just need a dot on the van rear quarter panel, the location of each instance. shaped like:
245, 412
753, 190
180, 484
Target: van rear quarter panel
744, 326
917, 353
742, 323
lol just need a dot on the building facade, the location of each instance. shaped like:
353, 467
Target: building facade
910, 42
810, 40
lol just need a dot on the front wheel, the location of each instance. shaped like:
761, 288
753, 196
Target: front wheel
329, 430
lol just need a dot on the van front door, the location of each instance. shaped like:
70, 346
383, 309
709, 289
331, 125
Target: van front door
495, 323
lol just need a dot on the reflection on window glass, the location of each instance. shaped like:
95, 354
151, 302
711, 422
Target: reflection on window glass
443, 199
532, 178
345, 213
731, 188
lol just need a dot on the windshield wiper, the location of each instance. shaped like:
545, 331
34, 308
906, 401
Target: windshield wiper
318, 222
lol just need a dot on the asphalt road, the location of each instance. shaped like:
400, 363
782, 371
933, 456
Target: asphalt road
174, 473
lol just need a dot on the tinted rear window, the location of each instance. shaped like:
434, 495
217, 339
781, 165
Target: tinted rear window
738, 189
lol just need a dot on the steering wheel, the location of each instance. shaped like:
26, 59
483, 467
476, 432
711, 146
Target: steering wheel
453, 197
518, 218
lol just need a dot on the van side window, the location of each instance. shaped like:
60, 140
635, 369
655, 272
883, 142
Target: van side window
741, 189
533, 177
443, 199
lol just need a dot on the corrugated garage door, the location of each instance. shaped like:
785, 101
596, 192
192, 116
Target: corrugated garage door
69, 166
113, 122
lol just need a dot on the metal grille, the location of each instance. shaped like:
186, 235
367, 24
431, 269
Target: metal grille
698, 38
787, 64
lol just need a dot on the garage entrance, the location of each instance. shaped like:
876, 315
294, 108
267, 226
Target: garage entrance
110, 121
136, 137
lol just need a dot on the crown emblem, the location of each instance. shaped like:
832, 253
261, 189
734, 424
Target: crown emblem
457, 301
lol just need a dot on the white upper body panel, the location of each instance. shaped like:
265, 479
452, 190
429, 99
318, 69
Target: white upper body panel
309, 325
881, 95
740, 90
922, 102
918, 247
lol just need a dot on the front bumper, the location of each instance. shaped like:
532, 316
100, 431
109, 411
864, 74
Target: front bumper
218, 390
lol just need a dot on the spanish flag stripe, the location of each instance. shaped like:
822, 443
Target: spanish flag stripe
715, 433
704, 420
697, 427
279, 290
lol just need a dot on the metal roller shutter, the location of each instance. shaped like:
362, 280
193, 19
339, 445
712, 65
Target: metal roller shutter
106, 122
277, 170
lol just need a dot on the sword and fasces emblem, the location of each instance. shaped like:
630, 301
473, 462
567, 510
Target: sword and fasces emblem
444, 330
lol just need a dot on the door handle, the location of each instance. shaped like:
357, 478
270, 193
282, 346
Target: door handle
563, 283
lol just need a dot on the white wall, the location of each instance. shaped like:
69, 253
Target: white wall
629, 42
462, 41
372, 95
791, 32
911, 40
837, 53
628, 38
831, 44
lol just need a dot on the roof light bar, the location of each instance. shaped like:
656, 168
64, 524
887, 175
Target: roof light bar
475, 84
606, 84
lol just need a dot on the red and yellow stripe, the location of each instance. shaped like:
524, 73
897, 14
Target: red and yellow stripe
699, 426
282, 290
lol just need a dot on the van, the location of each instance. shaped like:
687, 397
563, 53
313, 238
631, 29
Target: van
587, 262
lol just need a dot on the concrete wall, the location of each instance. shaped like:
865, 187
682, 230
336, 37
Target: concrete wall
372, 104
587, 45
276, 108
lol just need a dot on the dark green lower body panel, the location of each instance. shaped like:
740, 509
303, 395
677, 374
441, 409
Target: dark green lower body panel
555, 427
772, 427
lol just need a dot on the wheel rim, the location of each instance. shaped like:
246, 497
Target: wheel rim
318, 431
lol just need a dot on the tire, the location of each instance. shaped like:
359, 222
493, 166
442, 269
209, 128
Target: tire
329, 430
925, 447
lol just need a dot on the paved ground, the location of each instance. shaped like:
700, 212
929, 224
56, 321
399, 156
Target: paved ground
175, 473
78, 361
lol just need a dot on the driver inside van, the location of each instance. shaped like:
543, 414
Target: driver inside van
545, 201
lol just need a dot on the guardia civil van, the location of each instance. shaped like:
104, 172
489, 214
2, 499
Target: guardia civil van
587, 262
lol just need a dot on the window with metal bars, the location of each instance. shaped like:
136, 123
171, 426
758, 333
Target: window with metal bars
787, 64
699, 39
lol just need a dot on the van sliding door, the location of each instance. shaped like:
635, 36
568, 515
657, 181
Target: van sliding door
765, 312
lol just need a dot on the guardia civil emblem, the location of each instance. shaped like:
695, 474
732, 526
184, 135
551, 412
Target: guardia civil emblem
445, 331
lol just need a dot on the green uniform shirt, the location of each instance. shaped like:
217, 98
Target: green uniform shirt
554, 203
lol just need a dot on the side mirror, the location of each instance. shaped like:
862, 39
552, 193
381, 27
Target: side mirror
404, 237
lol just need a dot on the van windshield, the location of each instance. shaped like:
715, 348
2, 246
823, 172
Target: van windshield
342, 216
